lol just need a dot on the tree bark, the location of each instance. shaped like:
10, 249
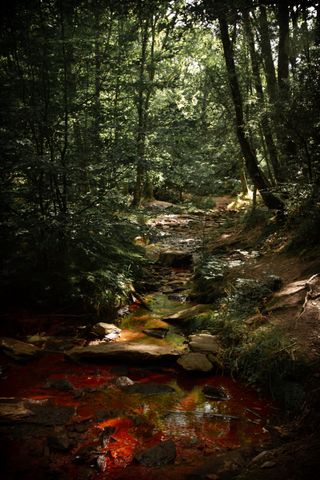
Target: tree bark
267, 55
283, 56
265, 123
257, 176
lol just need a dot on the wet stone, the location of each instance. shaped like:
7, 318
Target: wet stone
59, 384
60, 442
123, 382
214, 393
156, 332
158, 455
17, 349
105, 437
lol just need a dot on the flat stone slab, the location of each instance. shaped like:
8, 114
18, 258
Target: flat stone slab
187, 313
195, 361
204, 342
17, 349
135, 352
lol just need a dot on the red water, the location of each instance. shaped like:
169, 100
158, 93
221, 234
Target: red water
140, 421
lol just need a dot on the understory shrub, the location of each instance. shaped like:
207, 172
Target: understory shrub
79, 261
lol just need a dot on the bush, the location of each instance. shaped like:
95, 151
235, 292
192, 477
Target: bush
82, 261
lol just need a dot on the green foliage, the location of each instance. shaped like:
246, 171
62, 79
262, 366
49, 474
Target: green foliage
99, 98
266, 358
82, 260
247, 294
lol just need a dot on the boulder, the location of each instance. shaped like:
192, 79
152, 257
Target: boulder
129, 351
195, 362
17, 349
204, 342
158, 455
175, 258
187, 313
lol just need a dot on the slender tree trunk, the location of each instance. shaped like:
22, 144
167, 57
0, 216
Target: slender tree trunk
317, 27
141, 106
283, 56
267, 55
257, 177
265, 123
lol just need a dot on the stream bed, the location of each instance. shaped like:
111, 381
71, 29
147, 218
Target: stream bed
67, 419
91, 420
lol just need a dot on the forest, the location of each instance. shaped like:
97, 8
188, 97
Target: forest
160, 200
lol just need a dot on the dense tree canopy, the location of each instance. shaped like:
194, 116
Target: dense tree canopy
106, 103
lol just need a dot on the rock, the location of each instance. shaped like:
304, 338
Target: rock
158, 455
37, 412
187, 313
268, 464
102, 463
156, 332
129, 351
261, 456
150, 388
195, 361
17, 349
60, 442
60, 384
215, 393
204, 342
13, 410
105, 329
105, 437
175, 258
123, 382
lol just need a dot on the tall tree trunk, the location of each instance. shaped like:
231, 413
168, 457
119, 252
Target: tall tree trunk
257, 177
317, 27
141, 106
283, 56
265, 123
267, 55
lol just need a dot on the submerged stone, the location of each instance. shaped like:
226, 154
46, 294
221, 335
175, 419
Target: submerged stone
150, 388
158, 455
